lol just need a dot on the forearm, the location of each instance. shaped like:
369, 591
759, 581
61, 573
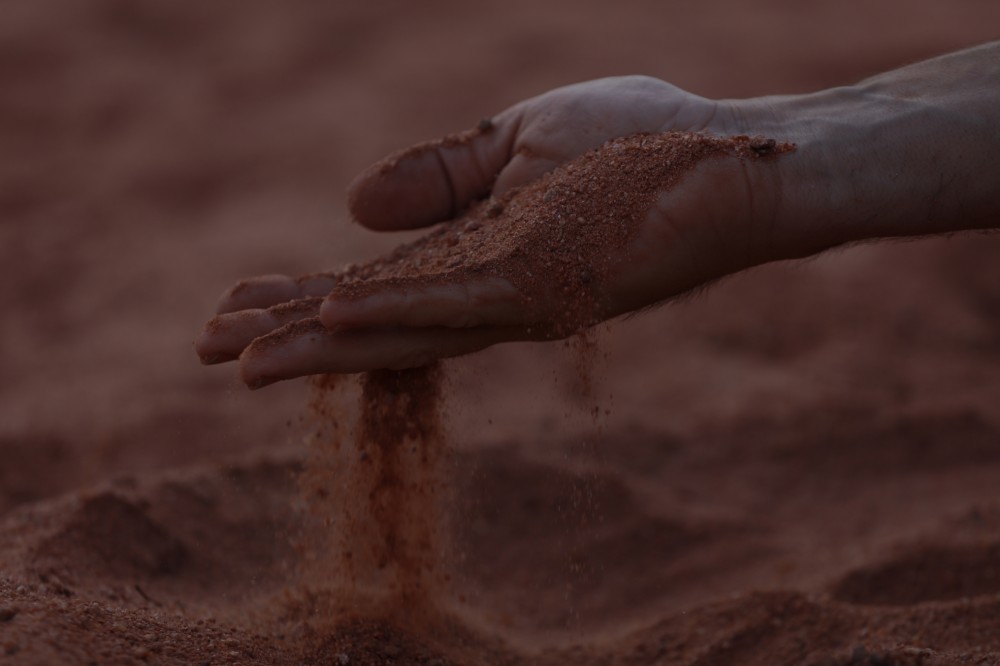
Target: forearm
911, 152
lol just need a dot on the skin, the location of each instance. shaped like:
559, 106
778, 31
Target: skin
912, 152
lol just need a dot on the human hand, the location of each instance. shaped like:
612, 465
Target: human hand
907, 153
707, 226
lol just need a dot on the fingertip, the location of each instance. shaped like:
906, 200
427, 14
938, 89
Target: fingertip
402, 191
207, 348
251, 373
216, 358
338, 314
283, 353
258, 292
328, 313
434, 180
205, 355
260, 382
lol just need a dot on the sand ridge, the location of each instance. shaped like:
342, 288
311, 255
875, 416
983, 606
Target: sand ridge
800, 467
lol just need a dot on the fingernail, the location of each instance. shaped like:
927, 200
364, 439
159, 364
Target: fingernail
221, 357
261, 382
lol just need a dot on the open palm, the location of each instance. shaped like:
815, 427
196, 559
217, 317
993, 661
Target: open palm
282, 327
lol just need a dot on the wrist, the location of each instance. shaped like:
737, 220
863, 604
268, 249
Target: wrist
871, 163
823, 192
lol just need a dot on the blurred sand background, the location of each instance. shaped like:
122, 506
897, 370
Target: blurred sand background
799, 464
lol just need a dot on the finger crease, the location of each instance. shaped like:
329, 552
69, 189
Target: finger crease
451, 184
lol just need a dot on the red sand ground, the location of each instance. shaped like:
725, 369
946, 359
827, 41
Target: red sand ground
800, 466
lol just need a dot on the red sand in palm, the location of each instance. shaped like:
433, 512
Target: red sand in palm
558, 238
799, 466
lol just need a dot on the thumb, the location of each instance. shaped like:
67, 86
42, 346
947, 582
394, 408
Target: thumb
433, 181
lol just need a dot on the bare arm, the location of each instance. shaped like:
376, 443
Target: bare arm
911, 152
